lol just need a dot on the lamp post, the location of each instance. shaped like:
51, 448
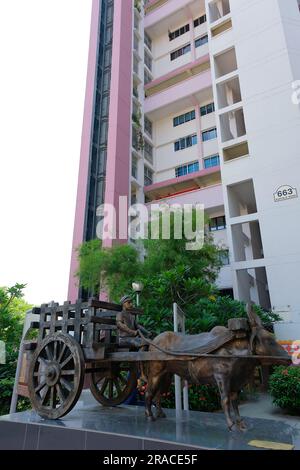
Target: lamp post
137, 287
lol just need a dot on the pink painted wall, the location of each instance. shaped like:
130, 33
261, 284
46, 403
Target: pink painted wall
85, 150
119, 131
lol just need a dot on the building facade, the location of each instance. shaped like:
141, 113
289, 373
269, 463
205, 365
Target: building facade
190, 101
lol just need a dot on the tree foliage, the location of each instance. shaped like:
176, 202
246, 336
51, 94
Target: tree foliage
170, 273
285, 388
12, 311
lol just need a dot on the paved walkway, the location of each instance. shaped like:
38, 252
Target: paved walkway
262, 407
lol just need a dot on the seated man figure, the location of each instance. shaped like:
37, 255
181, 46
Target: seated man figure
128, 326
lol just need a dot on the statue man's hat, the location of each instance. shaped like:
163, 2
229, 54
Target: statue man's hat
124, 299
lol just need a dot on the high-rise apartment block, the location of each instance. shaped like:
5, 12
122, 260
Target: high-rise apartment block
195, 101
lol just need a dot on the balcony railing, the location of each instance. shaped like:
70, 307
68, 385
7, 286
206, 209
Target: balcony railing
151, 5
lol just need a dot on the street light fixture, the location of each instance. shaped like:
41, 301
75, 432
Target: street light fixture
137, 287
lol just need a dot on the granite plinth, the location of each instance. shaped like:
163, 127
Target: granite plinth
93, 427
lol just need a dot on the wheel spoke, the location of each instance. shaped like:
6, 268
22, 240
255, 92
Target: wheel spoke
66, 361
42, 359
117, 385
49, 353
46, 396
96, 381
61, 353
53, 397
110, 388
122, 379
68, 372
40, 387
102, 390
66, 384
60, 393
55, 351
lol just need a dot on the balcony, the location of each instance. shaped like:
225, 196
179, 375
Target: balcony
184, 184
177, 88
177, 76
211, 197
151, 5
218, 9
159, 13
232, 125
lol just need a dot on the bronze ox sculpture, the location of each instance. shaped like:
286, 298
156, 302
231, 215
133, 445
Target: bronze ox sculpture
242, 338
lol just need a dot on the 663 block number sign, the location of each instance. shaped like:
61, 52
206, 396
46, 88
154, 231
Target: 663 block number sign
285, 192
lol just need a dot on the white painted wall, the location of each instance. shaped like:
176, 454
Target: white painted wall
266, 36
162, 46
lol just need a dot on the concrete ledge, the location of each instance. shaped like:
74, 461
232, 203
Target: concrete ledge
125, 428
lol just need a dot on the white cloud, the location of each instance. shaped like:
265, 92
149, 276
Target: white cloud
44, 51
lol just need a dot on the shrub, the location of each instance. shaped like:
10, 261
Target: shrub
201, 398
285, 388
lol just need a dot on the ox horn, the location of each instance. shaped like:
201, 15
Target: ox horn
253, 317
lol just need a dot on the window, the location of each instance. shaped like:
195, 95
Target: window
148, 126
201, 41
186, 169
202, 19
136, 43
148, 176
209, 135
110, 13
105, 106
135, 138
185, 142
147, 77
148, 60
224, 257
107, 57
133, 199
136, 111
148, 41
134, 167
136, 22
179, 32
135, 92
148, 151
207, 109
136, 65
210, 162
180, 52
217, 223
178, 120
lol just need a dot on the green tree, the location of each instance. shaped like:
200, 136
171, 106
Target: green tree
12, 311
170, 273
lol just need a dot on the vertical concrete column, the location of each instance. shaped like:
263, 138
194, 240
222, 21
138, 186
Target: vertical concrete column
192, 37
119, 131
199, 133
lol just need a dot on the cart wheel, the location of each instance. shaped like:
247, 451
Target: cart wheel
56, 375
113, 386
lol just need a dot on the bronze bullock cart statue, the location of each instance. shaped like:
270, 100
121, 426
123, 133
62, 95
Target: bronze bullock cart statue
79, 339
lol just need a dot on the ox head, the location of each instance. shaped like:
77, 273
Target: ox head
263, 343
